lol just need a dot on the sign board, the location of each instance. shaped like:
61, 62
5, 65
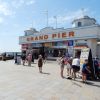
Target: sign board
46, 37
84, 55
70, 43
87, 54
70, 51
36, 45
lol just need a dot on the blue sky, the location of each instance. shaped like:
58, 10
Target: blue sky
18, 15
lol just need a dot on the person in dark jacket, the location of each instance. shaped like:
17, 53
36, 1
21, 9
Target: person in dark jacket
33, 56
15, 58
40, 63
85, 70
96, 66
23, 57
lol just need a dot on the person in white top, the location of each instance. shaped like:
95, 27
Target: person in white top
76, 62
75, 66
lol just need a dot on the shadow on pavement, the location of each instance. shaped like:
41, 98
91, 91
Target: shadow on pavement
34, 63
76, 84
92, 84
88, 83
28, 66
73, 81
45, 73
97, 80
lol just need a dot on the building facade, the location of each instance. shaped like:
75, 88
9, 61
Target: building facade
85, 33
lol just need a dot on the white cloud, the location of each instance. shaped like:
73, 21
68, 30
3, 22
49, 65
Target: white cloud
20, 3
5, 9
69, 17
8, 9
17, 3
30, 2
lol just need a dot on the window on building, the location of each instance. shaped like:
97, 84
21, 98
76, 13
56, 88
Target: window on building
79, 24
25, 33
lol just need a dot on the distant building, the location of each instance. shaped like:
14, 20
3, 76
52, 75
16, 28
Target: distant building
85, 33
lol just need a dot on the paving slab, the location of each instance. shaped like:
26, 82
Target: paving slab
18, 82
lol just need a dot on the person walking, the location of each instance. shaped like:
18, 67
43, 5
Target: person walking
29, 59
15, 58
68, 64
62, 64
75, 66
96, 67
33, 55
23, 57
85, 71
40, 63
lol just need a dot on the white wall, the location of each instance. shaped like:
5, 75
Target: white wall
98, 50
92, 43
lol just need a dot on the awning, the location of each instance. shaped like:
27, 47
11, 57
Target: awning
80, 47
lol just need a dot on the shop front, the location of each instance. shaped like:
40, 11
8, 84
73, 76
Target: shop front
79, 45
51, 44
55, 47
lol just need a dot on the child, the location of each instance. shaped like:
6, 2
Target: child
40, 63
85, 71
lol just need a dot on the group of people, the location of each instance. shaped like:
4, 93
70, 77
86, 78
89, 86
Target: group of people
73, 66
24, 58
28, 57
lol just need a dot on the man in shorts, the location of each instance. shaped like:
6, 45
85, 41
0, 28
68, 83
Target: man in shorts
75, 66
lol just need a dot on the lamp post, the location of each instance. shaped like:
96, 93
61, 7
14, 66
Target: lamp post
55, 17
83, 11
46, 12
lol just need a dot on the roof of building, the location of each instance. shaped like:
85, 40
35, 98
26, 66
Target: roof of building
84, 17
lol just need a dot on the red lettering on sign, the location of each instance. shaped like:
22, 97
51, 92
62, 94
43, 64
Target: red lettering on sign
36, 38
28, 39
71, 34
45, 37
54, 35
32, 38
64, 35
58, 35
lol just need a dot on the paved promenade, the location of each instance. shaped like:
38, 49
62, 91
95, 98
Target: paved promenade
19, 82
